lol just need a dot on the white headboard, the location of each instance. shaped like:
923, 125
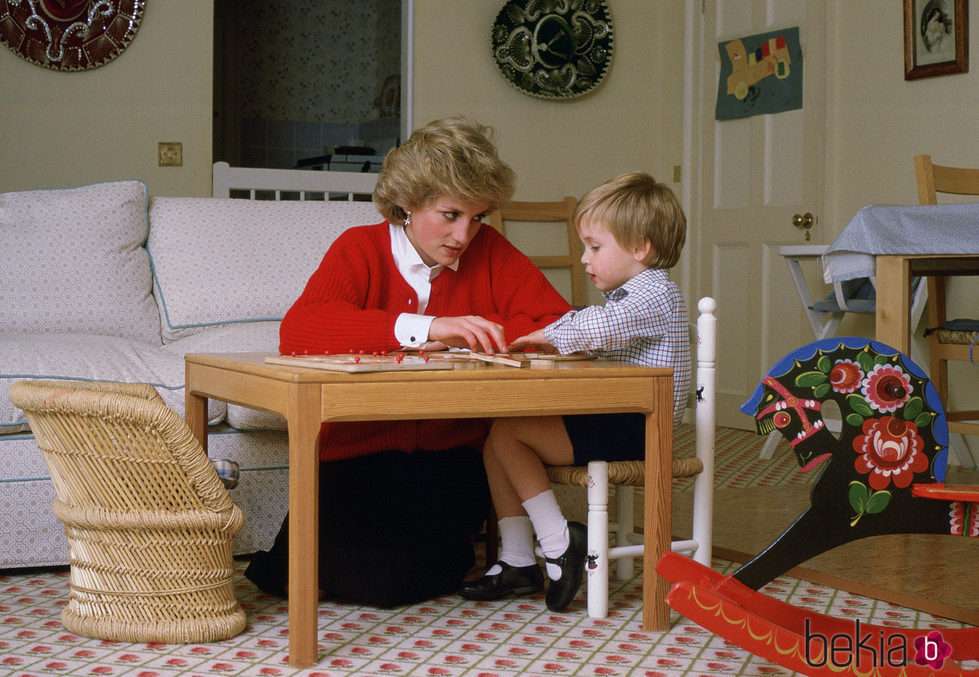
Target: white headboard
272, 184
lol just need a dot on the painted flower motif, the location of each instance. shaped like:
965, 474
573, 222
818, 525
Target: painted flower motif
845, 376
886, 388
963, 519
889, 449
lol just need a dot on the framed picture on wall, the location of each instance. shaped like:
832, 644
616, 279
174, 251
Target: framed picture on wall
936, 38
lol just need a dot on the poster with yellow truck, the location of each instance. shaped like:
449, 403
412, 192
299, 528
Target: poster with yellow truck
760, 74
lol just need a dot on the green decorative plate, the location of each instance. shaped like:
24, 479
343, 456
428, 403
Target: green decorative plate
553, 49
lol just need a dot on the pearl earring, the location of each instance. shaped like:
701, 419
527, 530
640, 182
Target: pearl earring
407, 219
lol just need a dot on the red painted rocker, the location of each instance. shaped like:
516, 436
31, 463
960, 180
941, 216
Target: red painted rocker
885, 475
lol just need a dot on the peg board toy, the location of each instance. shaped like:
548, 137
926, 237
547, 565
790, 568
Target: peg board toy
529, 359
409, 361
355, 363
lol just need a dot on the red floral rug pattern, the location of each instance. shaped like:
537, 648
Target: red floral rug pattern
446, 636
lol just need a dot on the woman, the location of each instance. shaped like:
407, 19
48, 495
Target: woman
400, 500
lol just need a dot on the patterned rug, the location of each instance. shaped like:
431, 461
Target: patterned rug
445, 636
736, 461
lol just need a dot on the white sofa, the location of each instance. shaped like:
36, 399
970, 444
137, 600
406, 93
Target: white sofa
104, 282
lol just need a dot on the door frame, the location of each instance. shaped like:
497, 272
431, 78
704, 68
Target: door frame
690, 276
407, 67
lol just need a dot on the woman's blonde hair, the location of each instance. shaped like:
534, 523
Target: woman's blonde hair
452, 157
637, 209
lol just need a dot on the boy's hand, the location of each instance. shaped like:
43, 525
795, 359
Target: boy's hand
469, 331
533, 341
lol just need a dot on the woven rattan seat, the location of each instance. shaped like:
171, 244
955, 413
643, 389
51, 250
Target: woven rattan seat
149, 524
957, 337
622, 473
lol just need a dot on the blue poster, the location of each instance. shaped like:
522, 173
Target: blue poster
760, 74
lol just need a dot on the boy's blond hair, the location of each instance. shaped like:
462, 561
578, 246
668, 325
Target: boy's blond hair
636, 209
453, 157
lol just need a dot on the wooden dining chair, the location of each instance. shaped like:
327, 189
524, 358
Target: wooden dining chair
508, 219
946, 345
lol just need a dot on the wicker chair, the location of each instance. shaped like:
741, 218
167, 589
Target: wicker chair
149, 524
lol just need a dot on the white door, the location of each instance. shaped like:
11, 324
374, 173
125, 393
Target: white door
750, 177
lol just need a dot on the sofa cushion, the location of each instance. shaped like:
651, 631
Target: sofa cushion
90, 358
217, 261
72, 261
244, 337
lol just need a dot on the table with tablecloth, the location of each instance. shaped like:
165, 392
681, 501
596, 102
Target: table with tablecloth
893, 243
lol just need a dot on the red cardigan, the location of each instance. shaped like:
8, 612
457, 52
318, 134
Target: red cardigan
355, 296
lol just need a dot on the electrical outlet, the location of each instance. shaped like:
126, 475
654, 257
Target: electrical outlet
170, 153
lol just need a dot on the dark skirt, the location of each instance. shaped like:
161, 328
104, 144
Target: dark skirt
394, 528
607, 437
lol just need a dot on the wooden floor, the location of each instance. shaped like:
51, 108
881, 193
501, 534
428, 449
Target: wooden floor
937, 574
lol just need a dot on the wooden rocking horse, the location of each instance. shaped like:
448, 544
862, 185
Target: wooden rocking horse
885, 475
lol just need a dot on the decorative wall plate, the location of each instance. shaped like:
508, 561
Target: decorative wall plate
69, 35
553, 49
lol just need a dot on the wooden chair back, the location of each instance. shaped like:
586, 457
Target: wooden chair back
543, 213
945, 345
933, 179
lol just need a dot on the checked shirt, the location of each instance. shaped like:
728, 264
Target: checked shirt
644, 321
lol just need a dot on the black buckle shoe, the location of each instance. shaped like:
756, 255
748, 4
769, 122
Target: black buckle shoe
511, 581
572, 563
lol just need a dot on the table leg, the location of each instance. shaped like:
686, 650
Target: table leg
894, 302
658, 498
304, 426
195, 413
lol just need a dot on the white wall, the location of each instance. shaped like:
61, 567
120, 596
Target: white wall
68, 129
631, 121
878, 121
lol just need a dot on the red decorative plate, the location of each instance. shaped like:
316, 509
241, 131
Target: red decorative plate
69, 35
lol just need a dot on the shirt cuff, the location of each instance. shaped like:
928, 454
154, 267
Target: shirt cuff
411, 330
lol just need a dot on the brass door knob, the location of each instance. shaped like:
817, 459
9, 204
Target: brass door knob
803, 220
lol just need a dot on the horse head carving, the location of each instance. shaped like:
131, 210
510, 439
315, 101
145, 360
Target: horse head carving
893, 434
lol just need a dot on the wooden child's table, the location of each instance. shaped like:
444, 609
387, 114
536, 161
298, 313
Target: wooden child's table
307, 397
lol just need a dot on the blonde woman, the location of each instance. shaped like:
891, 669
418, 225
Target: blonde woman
430, 276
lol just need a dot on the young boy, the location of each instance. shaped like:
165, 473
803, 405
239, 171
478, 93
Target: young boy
633, 229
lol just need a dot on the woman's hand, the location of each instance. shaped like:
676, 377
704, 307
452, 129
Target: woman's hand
470, 331
533, 341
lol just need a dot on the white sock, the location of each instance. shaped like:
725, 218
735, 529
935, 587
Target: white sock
551, 528
516, 543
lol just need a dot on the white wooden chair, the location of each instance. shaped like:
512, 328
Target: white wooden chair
851, 296
825, 316
625, 475
289, 184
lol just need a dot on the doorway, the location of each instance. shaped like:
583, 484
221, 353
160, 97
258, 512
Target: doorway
751, 176
307, 83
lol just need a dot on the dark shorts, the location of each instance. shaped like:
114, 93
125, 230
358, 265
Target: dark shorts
607, 437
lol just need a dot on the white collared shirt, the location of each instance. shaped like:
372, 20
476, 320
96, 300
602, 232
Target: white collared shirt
411, 329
